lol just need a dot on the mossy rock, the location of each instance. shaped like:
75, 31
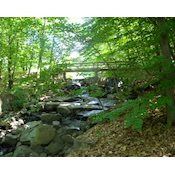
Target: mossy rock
24, 151
56, 146
48, 118
39, 135
37, 148
28, 135
60, 144
43, 134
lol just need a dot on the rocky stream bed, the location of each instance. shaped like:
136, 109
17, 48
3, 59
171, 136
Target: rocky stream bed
52, 131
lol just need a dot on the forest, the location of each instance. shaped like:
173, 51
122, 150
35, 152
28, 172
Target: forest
87, 87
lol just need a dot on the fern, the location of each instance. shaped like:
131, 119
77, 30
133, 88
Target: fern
138, 114
135, 110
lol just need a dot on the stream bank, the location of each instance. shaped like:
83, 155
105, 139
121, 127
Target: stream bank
111, 139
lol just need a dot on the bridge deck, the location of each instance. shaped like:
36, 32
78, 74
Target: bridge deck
92, 67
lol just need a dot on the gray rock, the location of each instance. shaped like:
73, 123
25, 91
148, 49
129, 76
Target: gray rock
81, 143
64, 111
60, 144
17, 131
28, 135
33, 154
85, 107
56, 146
2, 133
56, 124
40, 135
43, 134
74, 131
10, 154
64, 130
32, 124
51, 106
10, 140
49, 118
69, 99
61, 99
43, 155
37, 148
18, 144
24, 151
68, 141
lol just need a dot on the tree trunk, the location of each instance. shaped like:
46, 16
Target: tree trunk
39, 64
42, 45
1, 62
52, 52
168, 71
10, 76
29, 69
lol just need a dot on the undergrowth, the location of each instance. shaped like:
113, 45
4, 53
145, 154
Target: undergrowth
134, 111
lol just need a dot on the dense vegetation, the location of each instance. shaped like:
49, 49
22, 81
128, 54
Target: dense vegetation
32, 48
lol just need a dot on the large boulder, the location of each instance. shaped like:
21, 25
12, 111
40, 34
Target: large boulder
56, 146
40, 135
43, 134
48, 118
59, 144
24, 151
27, 135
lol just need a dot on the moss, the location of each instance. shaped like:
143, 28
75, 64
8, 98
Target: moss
44, 134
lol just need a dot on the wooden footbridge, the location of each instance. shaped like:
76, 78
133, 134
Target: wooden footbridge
92, 67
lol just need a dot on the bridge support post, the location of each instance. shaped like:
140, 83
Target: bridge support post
64, 76
96, 77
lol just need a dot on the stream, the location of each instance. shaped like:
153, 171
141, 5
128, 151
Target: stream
70, 115
82, 107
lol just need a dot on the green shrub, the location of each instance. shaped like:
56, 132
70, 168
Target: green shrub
20, 98
135, 111
95, 91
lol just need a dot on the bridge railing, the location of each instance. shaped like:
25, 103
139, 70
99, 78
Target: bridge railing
90, 65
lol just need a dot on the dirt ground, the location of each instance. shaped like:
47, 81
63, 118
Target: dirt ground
111, 139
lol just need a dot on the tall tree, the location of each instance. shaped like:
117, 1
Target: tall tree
168, 69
